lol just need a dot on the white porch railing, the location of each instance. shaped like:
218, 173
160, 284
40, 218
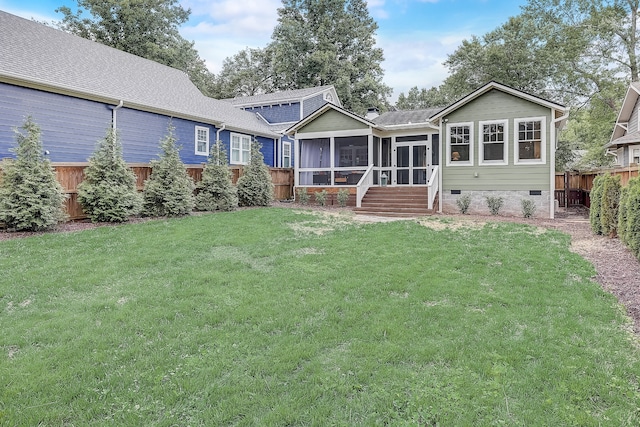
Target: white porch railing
365, 182
432, 185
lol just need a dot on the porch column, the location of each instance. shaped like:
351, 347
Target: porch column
332, 150
296, 164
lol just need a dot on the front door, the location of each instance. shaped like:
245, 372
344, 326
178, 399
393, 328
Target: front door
411, 164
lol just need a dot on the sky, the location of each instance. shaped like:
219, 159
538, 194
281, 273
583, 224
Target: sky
415, 35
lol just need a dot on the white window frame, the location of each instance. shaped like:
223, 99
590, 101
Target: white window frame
197, 140
632, 148
286, 157
543, 141
505, 142
449, 162
239, 149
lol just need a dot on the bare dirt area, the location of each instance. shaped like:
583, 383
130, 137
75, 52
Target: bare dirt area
618, 271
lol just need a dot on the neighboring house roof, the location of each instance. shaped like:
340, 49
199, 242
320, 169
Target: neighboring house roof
283, 97
619, 135
37, 56
561, 109
406, 117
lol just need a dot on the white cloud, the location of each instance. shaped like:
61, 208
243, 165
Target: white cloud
416, 59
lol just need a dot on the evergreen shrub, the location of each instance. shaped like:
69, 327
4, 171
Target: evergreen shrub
632, 229
108, 192
528, 208
463, 203
169, 189
596, 202
321, 197
255, 187
216, 190
609, 204
343, 197
31, 199
303, 196
495, 204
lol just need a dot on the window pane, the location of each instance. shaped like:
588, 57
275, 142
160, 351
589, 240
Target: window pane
529, 150
351, 151
235, 156
493, 151
246, 144
235, 142
460, 153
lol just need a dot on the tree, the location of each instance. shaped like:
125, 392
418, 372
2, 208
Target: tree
169, 189
108, 192
255, 187
30, 196
322, 42
247, 73
146, 28
216, 190
424, 98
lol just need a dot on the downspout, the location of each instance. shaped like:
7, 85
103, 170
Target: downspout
222, 127
114, 115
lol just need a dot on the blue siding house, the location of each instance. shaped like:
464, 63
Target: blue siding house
75, 89
281, 110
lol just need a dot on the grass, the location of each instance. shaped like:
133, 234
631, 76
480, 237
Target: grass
277, 317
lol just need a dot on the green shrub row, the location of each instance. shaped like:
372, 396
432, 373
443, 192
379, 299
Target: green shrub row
31, 199
615, 210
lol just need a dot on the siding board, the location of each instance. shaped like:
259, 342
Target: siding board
332, 120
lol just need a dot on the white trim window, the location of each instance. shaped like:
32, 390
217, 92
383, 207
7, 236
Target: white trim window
202, 141
240, 149
634, 151
459, 144
286, 154
492, 142
530, 140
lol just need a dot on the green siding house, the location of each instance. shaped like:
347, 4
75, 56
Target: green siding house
496, 141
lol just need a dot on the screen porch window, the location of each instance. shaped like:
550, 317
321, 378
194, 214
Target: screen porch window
459, 138
240, 149
202, 141
493, 146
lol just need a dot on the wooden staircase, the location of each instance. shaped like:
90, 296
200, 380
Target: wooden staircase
403, 202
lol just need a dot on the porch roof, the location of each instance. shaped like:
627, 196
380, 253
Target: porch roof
405, 117
630, 138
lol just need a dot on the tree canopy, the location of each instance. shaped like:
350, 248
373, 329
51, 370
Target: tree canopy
581, 53
146, 28
315, 43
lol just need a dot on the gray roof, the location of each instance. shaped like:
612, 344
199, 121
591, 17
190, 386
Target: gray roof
39, 56
630, 138
278, 97
391, 118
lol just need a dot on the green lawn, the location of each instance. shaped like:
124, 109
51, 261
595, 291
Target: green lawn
280, 317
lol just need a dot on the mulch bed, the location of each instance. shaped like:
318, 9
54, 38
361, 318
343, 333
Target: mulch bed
618, 271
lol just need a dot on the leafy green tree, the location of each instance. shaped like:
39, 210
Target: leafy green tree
322, 42
255, 187
169, 189
216, 190
146, 28
30, 196
108, 192
417, 99
247, 73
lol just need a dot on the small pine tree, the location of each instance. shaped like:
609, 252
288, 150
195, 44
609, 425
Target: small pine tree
255, 187
108, 192
31, 198
216, 190
609, 205
169, 189
595, 197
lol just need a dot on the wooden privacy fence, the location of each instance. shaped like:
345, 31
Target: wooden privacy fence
573, 188
70, 175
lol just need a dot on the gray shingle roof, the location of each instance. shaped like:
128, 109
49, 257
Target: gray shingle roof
630, 138
405, 117
277, 97
39, 56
